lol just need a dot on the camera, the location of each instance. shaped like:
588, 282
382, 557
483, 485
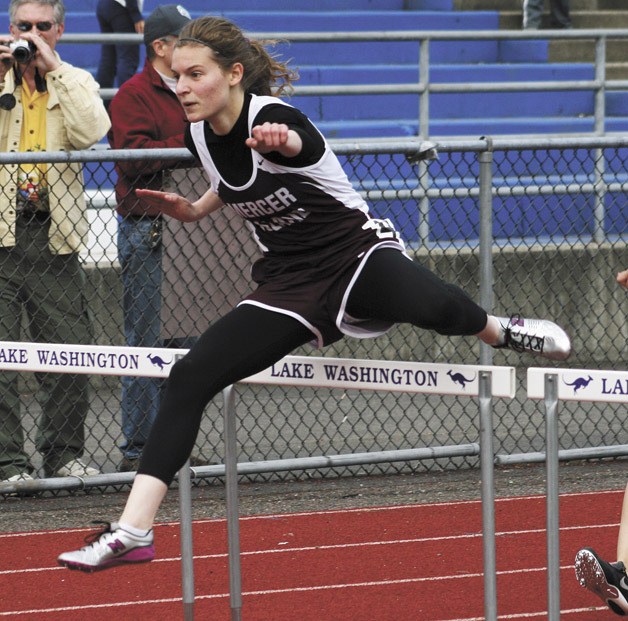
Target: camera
23, 51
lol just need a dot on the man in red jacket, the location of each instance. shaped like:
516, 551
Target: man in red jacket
145, 114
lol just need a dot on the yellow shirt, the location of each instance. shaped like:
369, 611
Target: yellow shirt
32, 177
76, 119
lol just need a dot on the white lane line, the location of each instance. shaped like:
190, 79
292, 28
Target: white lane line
337, 546
365, 510
301, 590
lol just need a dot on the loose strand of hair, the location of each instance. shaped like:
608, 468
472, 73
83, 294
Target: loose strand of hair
280, 76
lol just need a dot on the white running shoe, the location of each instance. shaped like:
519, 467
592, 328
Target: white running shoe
76, 468
20, 476
535, 336
607, 580
110, 547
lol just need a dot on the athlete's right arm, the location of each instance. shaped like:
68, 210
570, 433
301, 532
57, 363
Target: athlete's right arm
622, 278
275, 137
179, 207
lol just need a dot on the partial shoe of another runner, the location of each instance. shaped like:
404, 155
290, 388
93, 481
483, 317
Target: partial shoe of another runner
607, 580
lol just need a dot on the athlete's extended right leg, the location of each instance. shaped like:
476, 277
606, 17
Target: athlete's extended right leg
245, 341
395, 289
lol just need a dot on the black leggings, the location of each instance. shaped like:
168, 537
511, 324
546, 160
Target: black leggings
250, 339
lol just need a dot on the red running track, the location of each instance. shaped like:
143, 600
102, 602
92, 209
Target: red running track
412, 563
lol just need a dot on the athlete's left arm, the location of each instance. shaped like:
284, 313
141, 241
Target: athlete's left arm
179, 207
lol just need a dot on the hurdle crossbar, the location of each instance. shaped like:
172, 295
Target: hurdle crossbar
553, 386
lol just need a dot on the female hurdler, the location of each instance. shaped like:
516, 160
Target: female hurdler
327, 269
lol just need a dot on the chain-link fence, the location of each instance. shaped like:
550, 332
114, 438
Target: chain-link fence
537, 227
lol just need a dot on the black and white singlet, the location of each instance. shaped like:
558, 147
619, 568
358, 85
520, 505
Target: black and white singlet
312, 226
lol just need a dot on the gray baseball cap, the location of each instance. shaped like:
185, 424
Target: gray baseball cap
166, 19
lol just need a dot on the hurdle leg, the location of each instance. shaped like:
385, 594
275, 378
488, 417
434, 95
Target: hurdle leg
233, 522
553, 532
187, 554
488, 496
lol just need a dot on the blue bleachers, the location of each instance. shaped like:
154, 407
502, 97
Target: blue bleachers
451, 114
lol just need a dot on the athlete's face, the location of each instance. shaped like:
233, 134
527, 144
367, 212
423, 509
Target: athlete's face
206, 91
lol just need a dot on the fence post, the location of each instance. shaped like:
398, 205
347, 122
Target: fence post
424, 132
600, 91
424, 82
486, 239
600, 122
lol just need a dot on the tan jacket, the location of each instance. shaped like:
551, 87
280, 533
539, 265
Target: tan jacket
76, 119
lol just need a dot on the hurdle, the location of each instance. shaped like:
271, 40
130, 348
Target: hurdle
481, 381
552, 386
110, 361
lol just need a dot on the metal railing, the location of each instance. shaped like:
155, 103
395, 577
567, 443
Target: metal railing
418, 152
424, 87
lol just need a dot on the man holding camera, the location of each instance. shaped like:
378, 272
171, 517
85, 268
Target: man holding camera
45, 105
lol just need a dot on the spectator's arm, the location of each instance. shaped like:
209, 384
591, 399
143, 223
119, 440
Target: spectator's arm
135, 13
84, 115
135, 124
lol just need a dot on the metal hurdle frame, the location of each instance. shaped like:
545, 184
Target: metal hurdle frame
338, 373
112, 361
553, 386
482, 381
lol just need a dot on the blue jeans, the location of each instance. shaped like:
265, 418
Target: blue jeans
140, 254
533, 13
116, 59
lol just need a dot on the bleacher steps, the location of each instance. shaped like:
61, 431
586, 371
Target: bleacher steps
515, 5
583, 50
511, 20
397, 61
585, 14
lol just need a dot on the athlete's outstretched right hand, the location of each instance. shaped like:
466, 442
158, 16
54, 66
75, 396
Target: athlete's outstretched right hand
275, 137
179, 207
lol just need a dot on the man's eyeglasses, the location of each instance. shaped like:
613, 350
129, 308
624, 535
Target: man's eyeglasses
28, 26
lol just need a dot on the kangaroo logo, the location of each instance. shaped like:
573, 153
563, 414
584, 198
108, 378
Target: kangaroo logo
581, 382
459, 378
158, 361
